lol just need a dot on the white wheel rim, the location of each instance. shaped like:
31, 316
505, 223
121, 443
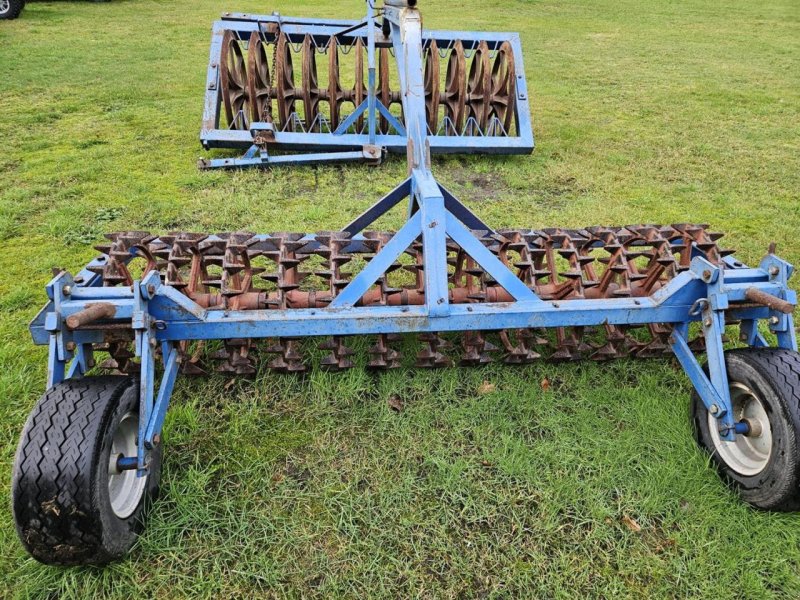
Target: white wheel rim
749, 454
125, 489
5, 5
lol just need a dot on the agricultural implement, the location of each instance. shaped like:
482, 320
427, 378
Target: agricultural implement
305, 91
151, 307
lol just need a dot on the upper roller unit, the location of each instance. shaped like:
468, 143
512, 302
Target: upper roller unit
293, 90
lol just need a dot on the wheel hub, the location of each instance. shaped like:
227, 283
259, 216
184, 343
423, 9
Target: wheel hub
4, 6
125, 488
749, 453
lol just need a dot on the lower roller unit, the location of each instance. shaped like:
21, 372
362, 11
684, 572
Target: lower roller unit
118, 340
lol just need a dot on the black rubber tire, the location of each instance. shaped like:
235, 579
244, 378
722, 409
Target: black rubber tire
773, 374
60, 496
14, 9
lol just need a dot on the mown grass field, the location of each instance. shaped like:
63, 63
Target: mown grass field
676, 111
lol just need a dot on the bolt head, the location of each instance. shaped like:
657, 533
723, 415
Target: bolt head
70, 346
773, 270
67, 290
774, 320
707, 323
714, 409
706, 275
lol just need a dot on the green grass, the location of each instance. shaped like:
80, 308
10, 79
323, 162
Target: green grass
644, 112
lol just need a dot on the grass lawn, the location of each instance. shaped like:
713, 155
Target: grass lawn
687, 110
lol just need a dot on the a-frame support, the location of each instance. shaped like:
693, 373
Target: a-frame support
434, 213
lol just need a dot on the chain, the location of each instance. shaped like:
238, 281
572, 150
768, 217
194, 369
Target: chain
272, 74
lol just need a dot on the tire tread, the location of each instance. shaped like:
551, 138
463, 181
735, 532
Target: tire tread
781, 368
52, 499
14, 10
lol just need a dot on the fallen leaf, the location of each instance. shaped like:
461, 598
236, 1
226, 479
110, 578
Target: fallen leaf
486, 463
486, 388
631, 524
545, 384
666, 544
396, 403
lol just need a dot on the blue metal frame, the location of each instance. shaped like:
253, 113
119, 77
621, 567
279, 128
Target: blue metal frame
342, 145
161, 316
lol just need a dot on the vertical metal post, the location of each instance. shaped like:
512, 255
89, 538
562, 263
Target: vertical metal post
80, 362
146, 384
371, 108
713, 330
145, 349
212, 99
434, 242
749, 334
156, 421
55, 366
780, 324
407, 40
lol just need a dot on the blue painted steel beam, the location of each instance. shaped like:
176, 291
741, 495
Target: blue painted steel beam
717, 403
376, 267
380, 208
247, 23
301, 141
490, 263
411, 319
462, 213
352, 118
156, 421
319, 158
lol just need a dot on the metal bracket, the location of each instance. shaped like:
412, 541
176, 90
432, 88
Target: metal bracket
146, 343
61, 343
712, 388
781, 324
